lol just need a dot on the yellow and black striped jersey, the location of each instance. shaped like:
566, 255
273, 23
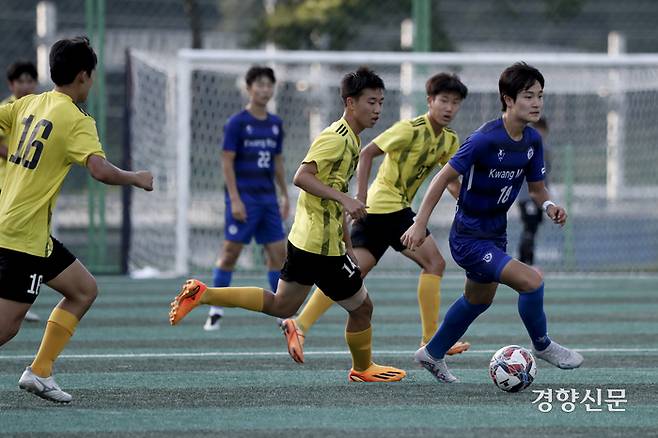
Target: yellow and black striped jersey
412, 151
3, 161
45, 133
318, 226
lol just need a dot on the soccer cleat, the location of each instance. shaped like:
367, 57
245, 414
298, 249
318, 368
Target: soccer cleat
188, 298
377, 373
295, 338
458, 348
560, 356
30, 316
44, 387
437, 367
213, 322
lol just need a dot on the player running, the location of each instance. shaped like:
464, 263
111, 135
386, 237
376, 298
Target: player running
412, 148
493, 162
319, 246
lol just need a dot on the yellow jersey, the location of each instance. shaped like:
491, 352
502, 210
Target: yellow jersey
46, 133
318, 225
3, 160
412, 151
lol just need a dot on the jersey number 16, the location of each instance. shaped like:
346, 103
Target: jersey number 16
23, 151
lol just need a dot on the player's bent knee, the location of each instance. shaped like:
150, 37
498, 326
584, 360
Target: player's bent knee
436, 266
356, 301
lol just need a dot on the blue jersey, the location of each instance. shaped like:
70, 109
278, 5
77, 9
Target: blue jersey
494, 168
255, 143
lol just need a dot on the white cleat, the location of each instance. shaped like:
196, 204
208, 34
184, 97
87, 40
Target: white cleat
437, 367
44, 387
560, 356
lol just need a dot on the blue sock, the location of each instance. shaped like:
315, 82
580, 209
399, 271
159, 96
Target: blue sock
273, 278
459, 316
531, 309
221, 278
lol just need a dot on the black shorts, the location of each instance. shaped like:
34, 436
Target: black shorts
337, 276
22, 274
379, 231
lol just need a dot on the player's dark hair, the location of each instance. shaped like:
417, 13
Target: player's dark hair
541, 124
256, 72
445, 83
19, 68
355, 82
517, 78
70, 56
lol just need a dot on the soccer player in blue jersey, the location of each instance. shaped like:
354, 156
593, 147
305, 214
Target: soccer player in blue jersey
494, 161
252, 163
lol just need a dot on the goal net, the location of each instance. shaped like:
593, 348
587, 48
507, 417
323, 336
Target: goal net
600, 111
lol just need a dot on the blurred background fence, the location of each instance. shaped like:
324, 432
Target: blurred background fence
618, 232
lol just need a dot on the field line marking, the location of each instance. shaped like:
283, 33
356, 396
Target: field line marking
283, 353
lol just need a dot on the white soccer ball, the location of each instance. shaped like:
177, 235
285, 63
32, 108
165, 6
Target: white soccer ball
512, 368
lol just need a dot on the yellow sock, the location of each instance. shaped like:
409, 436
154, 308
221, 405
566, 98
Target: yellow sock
429, 302
59, 329
314, 309
250, 298
360, 344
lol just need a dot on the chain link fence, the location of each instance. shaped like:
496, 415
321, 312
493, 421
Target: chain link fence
164, 26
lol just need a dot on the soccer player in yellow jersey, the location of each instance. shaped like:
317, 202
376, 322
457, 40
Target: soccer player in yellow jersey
47, 133
22, 79
319, 246
412, 148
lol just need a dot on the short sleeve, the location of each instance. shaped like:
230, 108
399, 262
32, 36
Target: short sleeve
84, 142
396, 137
325, 150
535, 169
231, 135
452, 149
467, 153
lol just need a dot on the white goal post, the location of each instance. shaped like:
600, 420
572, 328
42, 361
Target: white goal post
600, 110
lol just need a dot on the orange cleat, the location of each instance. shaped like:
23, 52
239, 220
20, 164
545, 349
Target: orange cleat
458, 348
188, 298
377, 373
295, 338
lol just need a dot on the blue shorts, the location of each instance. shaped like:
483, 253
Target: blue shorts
482, 259
263, 222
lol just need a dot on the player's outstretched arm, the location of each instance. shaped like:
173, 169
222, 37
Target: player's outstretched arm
106, 172
415, 235
305, 178
363, 169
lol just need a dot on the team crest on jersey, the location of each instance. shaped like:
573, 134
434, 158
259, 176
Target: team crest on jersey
531, 152
487, 257
275, 130
501, 155
249, 129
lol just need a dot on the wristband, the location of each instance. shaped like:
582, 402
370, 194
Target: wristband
547, 204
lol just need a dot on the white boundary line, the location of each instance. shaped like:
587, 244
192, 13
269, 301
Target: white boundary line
306, 353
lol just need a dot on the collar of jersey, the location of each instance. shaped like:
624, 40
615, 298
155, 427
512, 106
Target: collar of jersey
349, 130
430, 128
